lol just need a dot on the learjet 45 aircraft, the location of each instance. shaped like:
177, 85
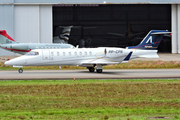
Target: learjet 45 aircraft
7, 43
90, 57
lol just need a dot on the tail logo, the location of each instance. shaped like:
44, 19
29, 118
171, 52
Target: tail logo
150, 40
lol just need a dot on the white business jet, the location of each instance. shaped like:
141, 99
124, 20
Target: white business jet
90, 57
86, 57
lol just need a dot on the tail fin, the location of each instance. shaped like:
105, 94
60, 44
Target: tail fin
151, 41
64, 36
5, 38
65, 33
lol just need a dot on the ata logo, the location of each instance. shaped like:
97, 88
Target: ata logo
149, 40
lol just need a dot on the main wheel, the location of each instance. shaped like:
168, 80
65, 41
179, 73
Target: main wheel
99, 70
20, 70
91, 69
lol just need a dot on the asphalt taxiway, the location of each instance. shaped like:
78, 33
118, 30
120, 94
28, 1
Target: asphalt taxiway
107, 74
85, 74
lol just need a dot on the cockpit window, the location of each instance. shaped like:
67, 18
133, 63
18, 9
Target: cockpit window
32, 53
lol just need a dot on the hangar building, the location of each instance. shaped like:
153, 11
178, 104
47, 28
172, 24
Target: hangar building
115, 23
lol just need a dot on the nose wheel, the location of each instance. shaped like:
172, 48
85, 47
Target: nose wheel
20, 70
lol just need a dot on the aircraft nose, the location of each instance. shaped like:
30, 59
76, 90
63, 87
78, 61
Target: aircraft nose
15, 62
8, 62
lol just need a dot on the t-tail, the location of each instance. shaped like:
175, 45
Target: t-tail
5, 38
64, 36
151, 41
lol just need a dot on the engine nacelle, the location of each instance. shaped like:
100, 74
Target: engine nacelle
19, 47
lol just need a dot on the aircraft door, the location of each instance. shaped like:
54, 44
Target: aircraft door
45, 54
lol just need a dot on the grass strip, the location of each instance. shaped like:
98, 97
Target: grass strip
90, 99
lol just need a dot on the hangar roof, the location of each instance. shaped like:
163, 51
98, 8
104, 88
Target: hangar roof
90, 2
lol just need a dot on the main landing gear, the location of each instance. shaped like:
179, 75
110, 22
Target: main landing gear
98, 69
91, 69
20, 70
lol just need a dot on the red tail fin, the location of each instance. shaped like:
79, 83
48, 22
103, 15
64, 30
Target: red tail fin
3, 32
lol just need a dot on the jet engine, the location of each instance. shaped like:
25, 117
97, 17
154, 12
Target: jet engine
19, 47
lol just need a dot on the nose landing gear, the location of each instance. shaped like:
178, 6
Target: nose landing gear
20, 70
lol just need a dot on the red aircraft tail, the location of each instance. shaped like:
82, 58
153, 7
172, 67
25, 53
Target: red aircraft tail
5, 38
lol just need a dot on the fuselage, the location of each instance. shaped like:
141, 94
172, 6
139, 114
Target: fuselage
23, 48
78, 56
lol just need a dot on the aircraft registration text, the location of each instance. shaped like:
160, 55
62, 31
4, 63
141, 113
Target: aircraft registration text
116, 51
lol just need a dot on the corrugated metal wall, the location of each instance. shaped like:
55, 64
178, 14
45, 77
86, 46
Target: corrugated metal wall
26, 23
6, 23
33, 23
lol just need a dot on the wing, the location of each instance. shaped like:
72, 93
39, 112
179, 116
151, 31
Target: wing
99, 63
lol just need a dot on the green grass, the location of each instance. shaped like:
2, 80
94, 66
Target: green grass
130, 65
90, 99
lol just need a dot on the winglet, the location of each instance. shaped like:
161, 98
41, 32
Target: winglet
127, 58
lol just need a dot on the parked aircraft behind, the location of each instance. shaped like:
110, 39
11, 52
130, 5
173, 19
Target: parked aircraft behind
90, 57
7, 43
64, 36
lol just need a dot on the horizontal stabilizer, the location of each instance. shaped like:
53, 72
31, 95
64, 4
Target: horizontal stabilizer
161, 33
154, 55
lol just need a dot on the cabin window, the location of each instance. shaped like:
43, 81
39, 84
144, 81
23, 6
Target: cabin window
52, 53
69, 53
64, 53
85, 53
57, 53
90, 53
75, 53
80, 53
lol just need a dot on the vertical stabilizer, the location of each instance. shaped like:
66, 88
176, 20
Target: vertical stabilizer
64, 36
5, 38
151, 41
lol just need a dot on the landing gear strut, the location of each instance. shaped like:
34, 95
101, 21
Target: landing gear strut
20, 70
99, 69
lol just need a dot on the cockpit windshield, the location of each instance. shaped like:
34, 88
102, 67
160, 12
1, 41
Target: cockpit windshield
32, 53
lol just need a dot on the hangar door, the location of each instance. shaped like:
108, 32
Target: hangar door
33, 23
112, 25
